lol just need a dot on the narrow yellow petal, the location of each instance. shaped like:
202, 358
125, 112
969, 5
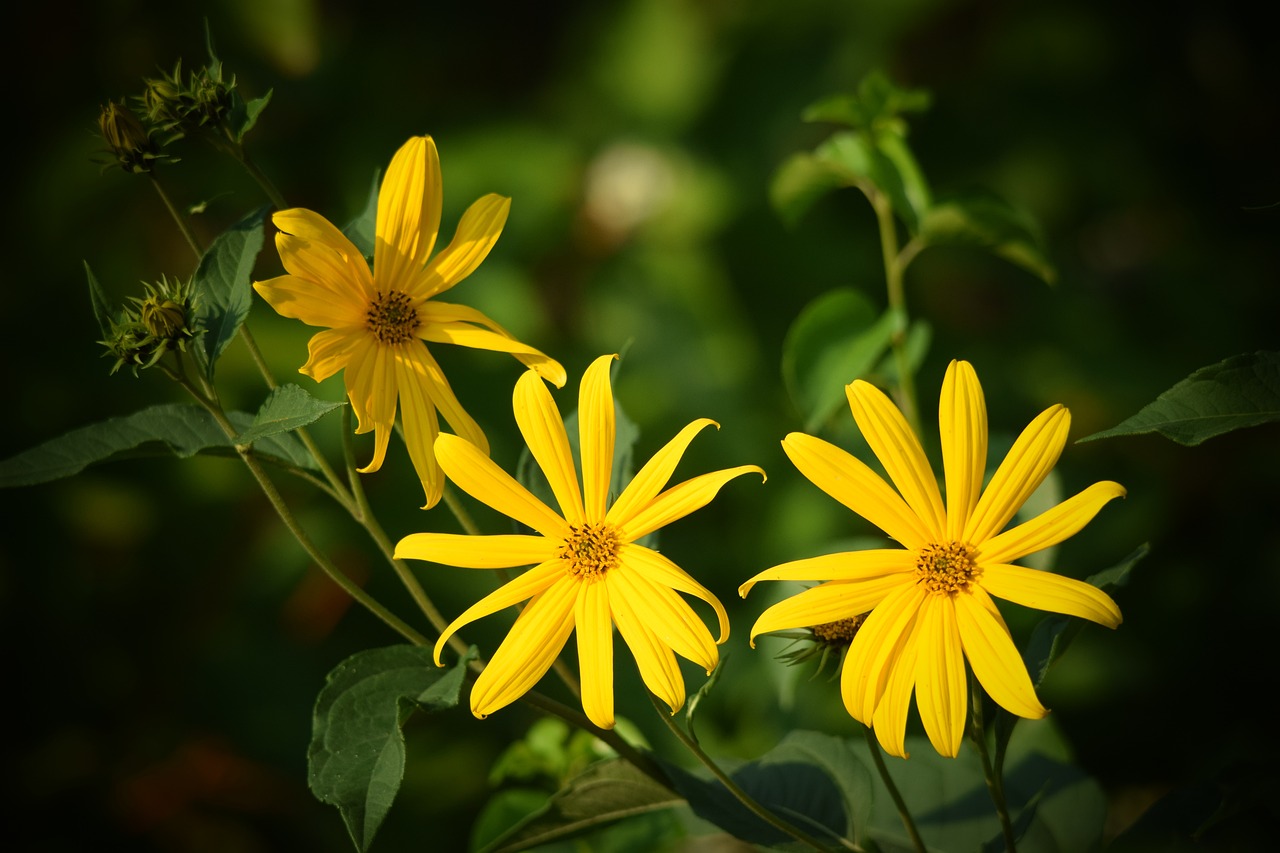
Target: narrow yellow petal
479, 476
477, 552
543, 430
941, 683
993, 657
418, 415
371, 389
664, 573
889, 722
316, 233
651, 478
828, 602
875, 647
595, 652
596, 431
849, 480
527, 585
330, 351
531, 646
312, 302
655, 660
443, 399
435, 313
408, 216
899, 451
1028, 462
1050, 592
665, 614
477, 231
962, 424
845, 566
680, 500
1051, 526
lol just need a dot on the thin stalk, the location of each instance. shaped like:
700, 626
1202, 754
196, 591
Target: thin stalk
893, 269
626, 751
177, 217
260, 177
900, 804
994, 780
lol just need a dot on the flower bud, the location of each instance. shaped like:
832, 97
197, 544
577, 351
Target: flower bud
128, 140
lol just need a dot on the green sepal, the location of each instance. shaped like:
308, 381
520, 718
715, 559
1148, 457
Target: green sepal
1239, 392
102, 311
362, 230
356, 757
286, 408
222, 285
986, 221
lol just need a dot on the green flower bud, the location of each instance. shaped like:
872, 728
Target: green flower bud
128, 141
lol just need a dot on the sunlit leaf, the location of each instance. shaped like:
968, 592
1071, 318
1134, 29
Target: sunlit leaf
287, 408
985, 221
861, 162
1242, 391
800, 181
222, 284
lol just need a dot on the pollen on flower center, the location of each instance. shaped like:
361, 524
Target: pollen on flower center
840, 632
591, 550
392, 318
946, 567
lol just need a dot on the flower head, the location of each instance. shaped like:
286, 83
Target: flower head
589, 572
929, 605
379, 321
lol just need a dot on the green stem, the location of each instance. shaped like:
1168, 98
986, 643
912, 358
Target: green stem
177, 217
573, 717
893, 270
994, 780
269, 188
900, 804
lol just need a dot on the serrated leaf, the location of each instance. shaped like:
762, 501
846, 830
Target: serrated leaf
102, 311
356, 757
1239, 392
607, 791
836, 339
176, 429
360, 231
985, 221
222, 282
287, 408
800, 181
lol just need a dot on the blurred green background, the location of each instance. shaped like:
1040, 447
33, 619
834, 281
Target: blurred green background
166, 638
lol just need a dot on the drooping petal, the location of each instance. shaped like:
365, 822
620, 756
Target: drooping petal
418, 414
875, 647
435, 313
527, 585
655, 660
651, 478
849, 480
962, 423
314, 232
1028, 462
531, 646
331, 350
845, 566
479, 476
408, 216
680, 500
1050, 592
828, 602
941, 684
663, 572
312, 302
993, 657
890, 718
595, 652
664, 613
371, 387
477, 231
1051, 526
502, 551
443, 399
543, 430
899, 451
596, 431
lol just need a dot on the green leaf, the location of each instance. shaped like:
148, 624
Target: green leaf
287, 408
177, 429
859, 161
222, 290
361, 230
1242, 391
892, 144
102, 311
696, 699
356, 756
877, 102
800, 181
836, 339
985, 221
605, 792
245, 114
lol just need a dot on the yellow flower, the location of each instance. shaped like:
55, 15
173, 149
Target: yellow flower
379, 322
930, 606
589, 571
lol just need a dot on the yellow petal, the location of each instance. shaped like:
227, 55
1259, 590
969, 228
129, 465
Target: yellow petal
663, 572
1028, 462
418, 414
442, 398
408, 216
479, 476
899, 451
941, 684
527, 585
846, 566
875, 647
312, 302
595, 436
890, 718
962, 422
650, 480
532, 645
331, 350
852, 483
446, 314
317, 234
680, 500
665, 614
477, 552
657, 665
543, 430
1051, 526
371, 387
477, 232
828, 602
1050, 592
595, 652
993, 657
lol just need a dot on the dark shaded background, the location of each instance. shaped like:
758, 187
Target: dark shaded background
166, 639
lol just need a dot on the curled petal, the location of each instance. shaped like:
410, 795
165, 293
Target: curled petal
331, 350
543, 430
453, 319
845, 566
371, 387
313, 301
1024, 468
527, 585
654, 658
828, 602
651, 479
477, 232
665, 614
1050, 592
663, 572
680, 500
993, 657
315, 233
1051, 526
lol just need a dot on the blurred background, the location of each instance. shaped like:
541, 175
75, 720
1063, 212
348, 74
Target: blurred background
166, 638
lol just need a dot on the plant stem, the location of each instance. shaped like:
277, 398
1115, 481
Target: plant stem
258, 175
177, 217
893, 270
573, 717
900, 804
995, 783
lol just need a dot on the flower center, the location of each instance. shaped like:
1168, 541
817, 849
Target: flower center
946, 568
392, 318
839, 632
591, 550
